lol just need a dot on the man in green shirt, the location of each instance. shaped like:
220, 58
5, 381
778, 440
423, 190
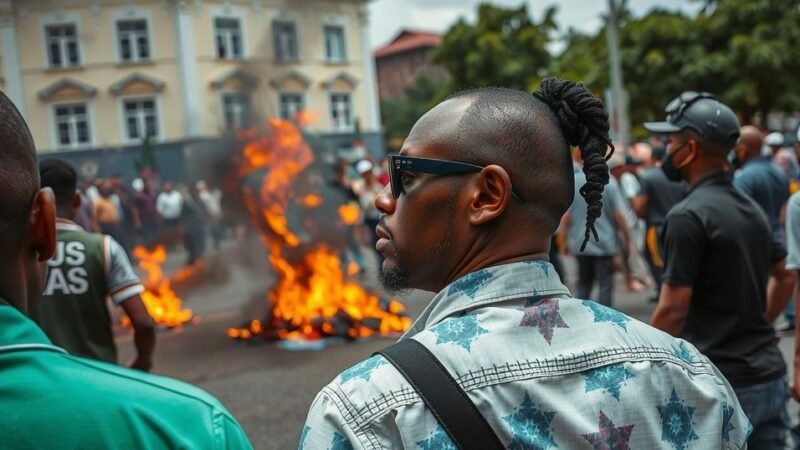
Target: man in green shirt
49, 398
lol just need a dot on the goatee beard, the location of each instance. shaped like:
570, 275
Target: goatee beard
397, 280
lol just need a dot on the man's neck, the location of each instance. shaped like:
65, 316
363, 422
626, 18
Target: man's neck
710, 168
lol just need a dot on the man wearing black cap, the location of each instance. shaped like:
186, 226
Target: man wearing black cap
717, 250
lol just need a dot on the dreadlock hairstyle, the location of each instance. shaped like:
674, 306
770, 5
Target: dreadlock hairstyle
584, 124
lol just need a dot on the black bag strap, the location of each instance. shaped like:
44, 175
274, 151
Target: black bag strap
451, 406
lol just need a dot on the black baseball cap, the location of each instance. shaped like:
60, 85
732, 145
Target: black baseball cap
703, 113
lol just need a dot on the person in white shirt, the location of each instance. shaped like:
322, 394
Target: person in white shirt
212, 203
169, 205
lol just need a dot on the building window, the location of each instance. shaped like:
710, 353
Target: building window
134, 43
72, 125
141, 118
228, 32
236, 109
285, 37
62, 46
341, 111
334, 44
291, 103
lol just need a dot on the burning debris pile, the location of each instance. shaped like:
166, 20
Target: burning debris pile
301, 225
162, 303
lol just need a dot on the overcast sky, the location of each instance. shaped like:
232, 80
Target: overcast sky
388, 17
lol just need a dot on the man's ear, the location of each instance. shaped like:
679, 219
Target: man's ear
491, 194
42, 224
77, 202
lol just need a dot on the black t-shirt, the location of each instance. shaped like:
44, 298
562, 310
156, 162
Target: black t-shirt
662, 195
717, 240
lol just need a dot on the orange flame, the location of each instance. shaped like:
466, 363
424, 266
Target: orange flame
315, 296
312, 201
162, 303
349, 213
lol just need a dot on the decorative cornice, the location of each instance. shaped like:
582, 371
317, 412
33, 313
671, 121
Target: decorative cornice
119, 86
46, 93
249, 80
340, 76
277, 82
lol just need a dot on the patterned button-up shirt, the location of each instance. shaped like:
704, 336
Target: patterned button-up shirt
545, 369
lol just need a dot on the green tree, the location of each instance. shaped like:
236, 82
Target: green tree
400, 115
504, 48
753, 54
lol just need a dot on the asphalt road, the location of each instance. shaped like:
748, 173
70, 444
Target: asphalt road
269, 389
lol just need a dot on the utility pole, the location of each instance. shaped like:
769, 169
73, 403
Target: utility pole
620, 105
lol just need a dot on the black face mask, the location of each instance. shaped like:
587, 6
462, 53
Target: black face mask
673, 173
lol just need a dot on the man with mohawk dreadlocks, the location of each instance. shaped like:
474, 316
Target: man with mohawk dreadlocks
504, 356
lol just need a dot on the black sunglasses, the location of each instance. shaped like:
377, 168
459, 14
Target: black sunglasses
400, 163
678, 105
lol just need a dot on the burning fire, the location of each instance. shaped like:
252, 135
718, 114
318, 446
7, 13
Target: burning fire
315, 295
162, 303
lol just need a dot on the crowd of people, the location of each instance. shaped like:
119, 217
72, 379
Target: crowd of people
149, 212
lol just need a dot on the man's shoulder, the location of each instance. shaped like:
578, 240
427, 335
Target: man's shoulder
550, 337
92, 403
157, 391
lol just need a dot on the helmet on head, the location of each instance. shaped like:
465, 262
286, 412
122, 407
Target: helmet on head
703, 113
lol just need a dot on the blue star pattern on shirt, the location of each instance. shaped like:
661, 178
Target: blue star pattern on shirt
677, 428
683, 353
531, 427
439, 440
544, 265
727, 426
303, 437
605, 314
470, 283
363, 369
609, 437
340, 443
608, 378
460, 330
544, 315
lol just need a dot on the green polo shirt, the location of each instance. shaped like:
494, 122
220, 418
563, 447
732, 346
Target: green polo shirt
50, 399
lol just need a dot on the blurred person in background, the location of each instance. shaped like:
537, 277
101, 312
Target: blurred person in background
87, 269
786, 160
657, 196
169, 205
342, 183
144, 205
367, 188
717, 248
128, 220
84, 216
633, 266
383, 172
772, 143
211, 197
596, 261
767, 185
56, 400
793, 264
106, 211
193, 221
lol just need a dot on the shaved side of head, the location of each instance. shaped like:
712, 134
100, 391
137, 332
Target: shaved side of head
516, 131
19, 174
750, 137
